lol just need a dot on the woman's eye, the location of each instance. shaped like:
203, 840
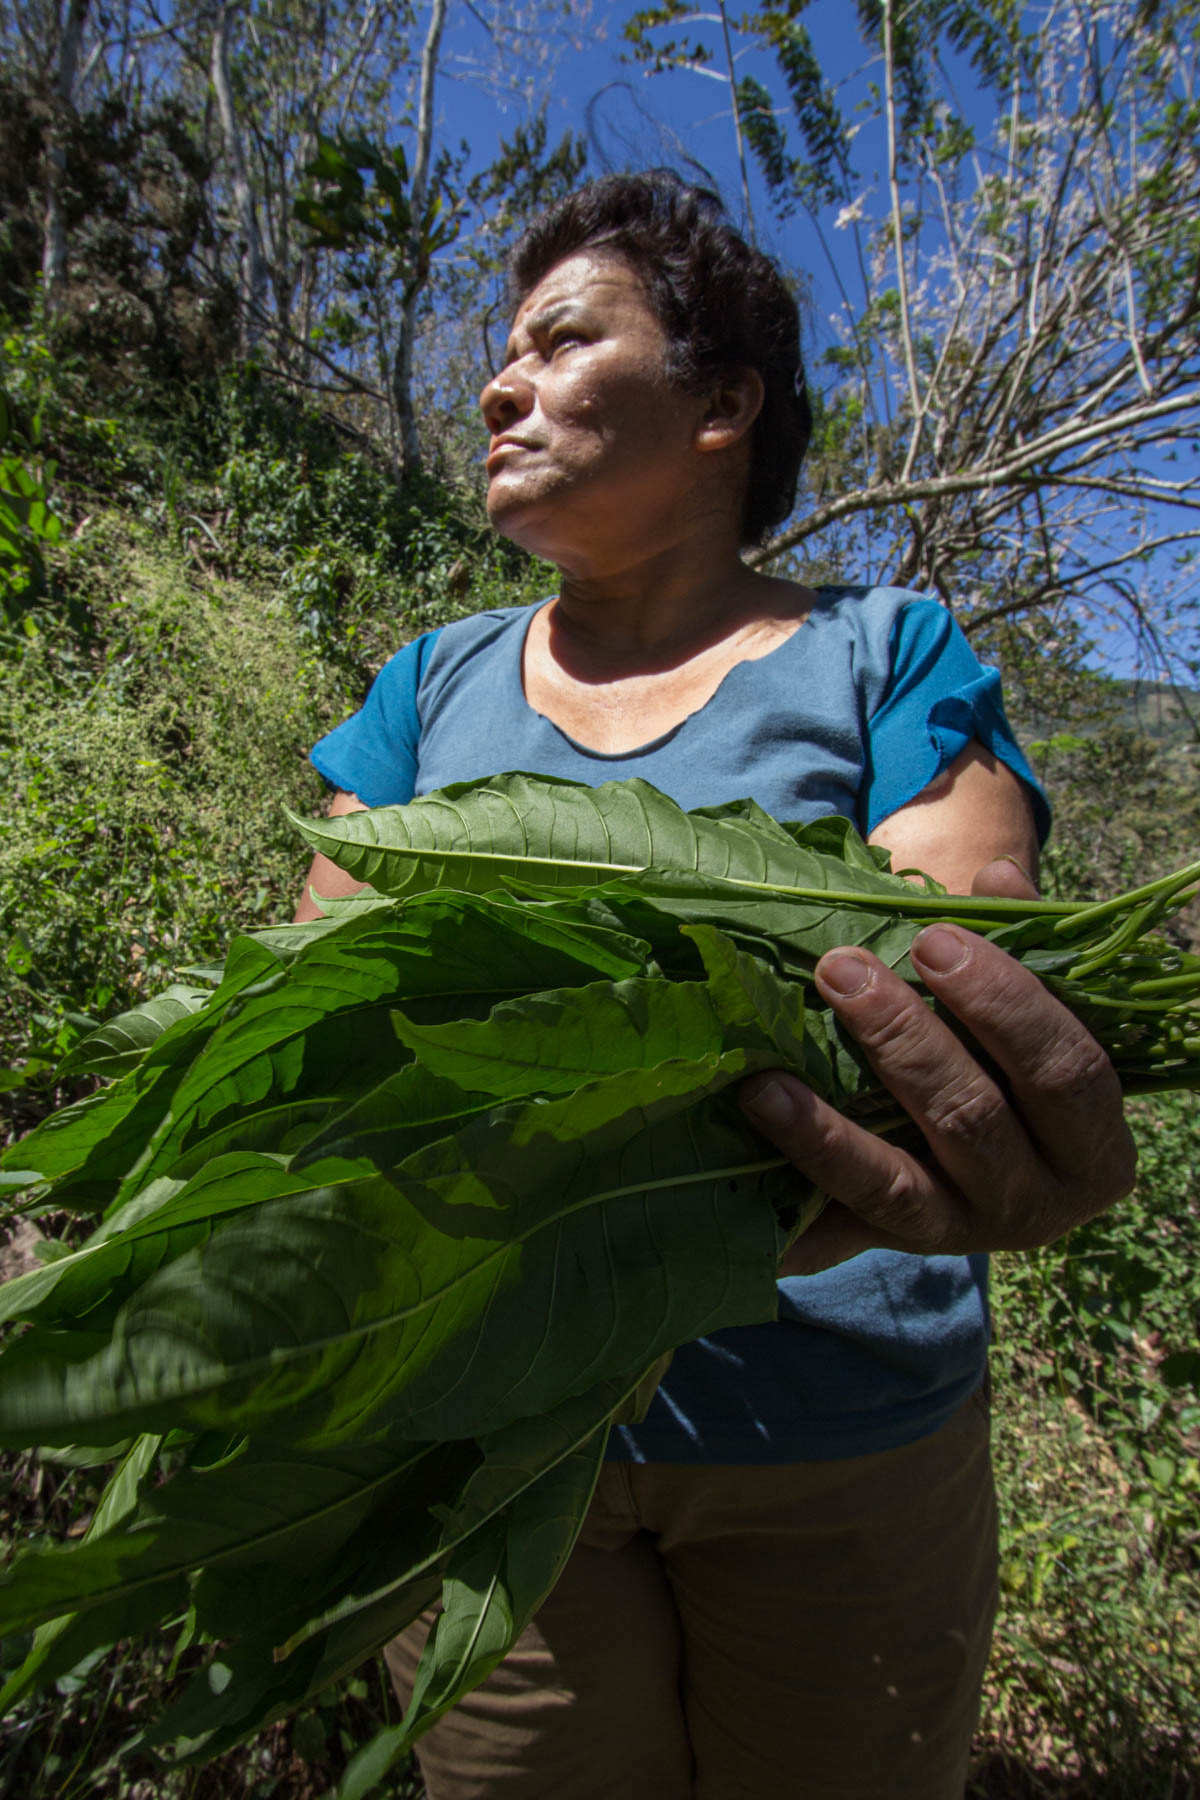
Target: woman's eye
564, 339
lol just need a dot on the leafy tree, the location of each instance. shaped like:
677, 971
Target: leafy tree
262, 178
391, 230
285, 73
1009, 407
51, 35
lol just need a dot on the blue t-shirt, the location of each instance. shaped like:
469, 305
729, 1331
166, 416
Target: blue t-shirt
855, 713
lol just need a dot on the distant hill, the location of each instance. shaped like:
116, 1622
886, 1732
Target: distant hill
1166, 713
1160, 709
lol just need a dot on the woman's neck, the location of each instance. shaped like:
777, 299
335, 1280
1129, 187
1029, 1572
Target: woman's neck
661, 610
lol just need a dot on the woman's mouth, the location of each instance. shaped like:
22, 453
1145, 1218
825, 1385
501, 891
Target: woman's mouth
502, 444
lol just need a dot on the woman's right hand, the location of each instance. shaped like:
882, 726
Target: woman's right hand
1012, 1164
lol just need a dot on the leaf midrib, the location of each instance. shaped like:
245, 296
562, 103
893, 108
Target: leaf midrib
181, 1567
389, 1003
347, 1608
939, 905
280, 1358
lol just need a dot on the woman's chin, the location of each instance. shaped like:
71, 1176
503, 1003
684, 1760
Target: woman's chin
520, 516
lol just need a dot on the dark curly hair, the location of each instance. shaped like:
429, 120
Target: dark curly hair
722, 305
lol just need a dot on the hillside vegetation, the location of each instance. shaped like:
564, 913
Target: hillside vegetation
232, 567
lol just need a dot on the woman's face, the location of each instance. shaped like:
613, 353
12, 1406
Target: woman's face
592, 448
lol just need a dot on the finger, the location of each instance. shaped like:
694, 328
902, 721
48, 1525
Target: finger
1064, 1086
1005, 879
977, 1139
899, 1203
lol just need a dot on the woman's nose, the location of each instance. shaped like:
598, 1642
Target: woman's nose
507, 397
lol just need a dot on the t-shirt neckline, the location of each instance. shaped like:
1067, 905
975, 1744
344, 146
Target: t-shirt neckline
653, 744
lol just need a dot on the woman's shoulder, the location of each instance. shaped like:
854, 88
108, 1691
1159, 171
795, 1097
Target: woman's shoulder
432, 655
464, 639
863, 607
874, 623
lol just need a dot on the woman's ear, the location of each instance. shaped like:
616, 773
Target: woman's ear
733, 405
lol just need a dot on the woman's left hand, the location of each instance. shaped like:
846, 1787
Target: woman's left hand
1007, 1169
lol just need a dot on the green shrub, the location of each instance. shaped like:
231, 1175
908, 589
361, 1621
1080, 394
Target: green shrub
144, 775
1091, 1688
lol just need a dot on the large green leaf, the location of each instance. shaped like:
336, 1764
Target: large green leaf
162, 1227
329, 1013
66, 1637
120, 1044
493, 1586
256, 1545
393, 1119
556, 1041
251, 968
275, 1127
497, 1581
801, 890
539, 831
87, 1149
284, 1058
641, 1217
512, 1459
479, 835
809, 1040
170, 1217
90, 1148
793, 932
395, 1571
260, 1509
746, 991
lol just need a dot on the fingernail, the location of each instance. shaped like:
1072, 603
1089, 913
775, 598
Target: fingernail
941, 949
844, 973
768, 1101
1018, 866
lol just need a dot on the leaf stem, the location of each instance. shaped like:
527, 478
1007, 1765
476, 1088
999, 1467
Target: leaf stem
973, 911
1127, 932
1168, 984
1167, 886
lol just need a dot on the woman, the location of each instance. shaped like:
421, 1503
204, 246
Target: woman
785, 1585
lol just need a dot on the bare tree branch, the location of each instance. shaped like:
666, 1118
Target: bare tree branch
254, 268
910, 361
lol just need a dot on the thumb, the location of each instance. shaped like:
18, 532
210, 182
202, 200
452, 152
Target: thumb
1004, 879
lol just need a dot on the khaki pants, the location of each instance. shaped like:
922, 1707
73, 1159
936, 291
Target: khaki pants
812, 1632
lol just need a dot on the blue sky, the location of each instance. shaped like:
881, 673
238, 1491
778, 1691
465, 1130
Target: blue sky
683, 119
678, 118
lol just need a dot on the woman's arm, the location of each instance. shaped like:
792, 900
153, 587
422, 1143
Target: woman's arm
1013, 1162
325, 876
975, 812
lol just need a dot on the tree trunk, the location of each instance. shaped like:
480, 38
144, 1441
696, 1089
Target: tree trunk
253, 268
54, 247
410, 443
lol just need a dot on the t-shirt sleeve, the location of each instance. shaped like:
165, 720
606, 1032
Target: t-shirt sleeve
373, 753
938, 698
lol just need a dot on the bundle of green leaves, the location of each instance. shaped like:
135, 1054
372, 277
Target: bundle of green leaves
404, 1207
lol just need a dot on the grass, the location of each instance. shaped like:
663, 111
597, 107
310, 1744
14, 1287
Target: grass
1092, 1690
